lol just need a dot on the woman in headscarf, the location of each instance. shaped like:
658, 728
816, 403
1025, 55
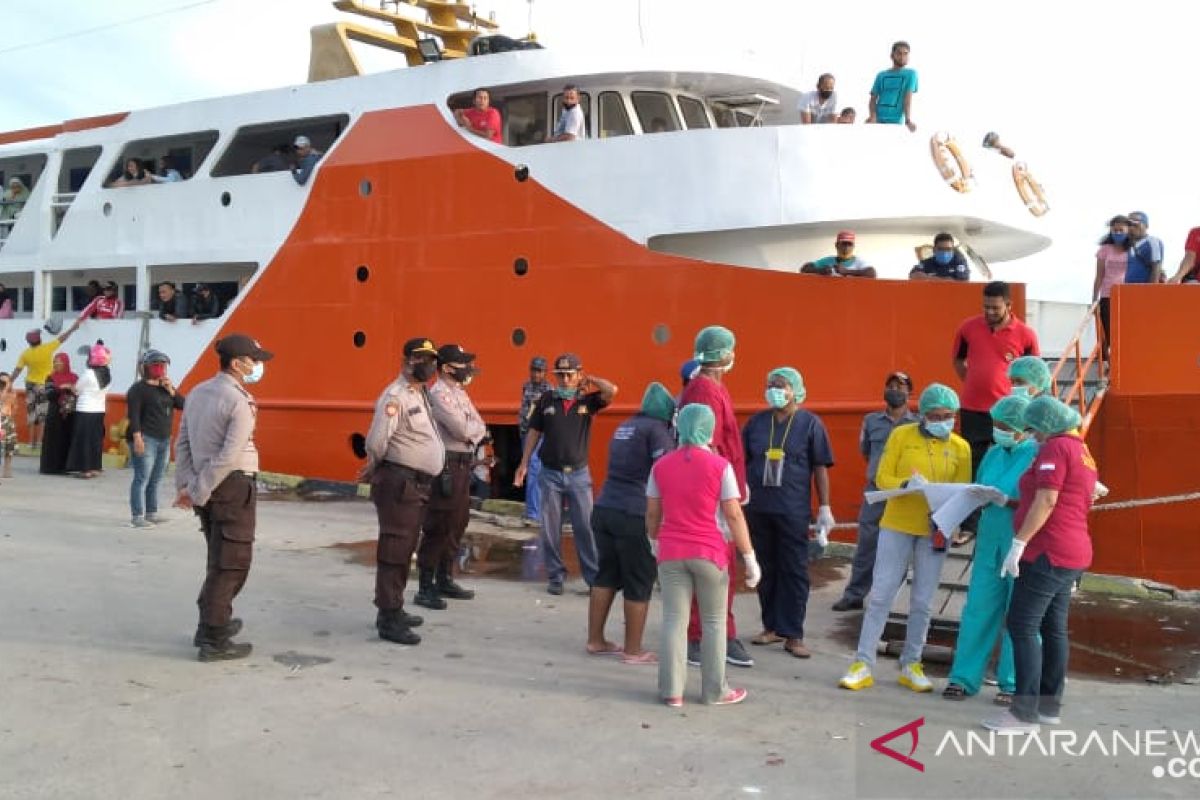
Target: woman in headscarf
930, 450
687, 490
1051, 549
87, 441
987, 598
60, 418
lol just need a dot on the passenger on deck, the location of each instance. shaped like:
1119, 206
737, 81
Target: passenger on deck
134, 175
571, 124
1112, 259
847, 116
108, 305
306, 159
6, 303
658, 125
891, 94
481, 119
946, 263
166, 172
1146, 255
172, 305
845, 263
15, 197
205, 303
1189, 271
820, 105
278, 160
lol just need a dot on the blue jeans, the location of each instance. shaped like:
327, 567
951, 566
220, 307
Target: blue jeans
1041, 598
533, 485
148, 469
576, 487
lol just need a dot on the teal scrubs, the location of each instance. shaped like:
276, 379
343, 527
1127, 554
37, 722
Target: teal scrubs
987, 596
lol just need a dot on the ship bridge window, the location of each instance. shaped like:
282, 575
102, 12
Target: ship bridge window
585, 102
655, 112
614, 120
258, 143
694, 115
525, 120
167, 159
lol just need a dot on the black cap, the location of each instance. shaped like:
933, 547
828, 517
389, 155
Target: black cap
419, 345
454, 354
567, 362
111, 285
537, 362
202, 287
900, 376
236, 345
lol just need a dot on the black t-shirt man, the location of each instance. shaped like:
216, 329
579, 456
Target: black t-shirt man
566, 428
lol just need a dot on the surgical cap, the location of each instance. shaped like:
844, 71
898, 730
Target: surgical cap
714, 344
791, 376
696, 424
1046, 414
937, 395
657, 402
1011, 411
1032, 370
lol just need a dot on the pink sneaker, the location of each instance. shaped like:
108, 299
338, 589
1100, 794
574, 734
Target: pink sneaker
731, 697
673, 702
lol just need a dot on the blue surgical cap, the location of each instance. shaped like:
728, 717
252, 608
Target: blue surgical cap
1033, 371
1048, 415
696, 424
792, 376
1011, 411
937, 395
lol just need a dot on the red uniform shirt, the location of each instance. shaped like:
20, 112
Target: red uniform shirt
1192, 245
488, 118
103, 308
988, 353
727, 437
1063, 463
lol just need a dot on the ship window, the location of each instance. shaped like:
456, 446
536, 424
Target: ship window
18, 287
184, 153
27, 167
76, 166
655, 112
525, 119
265, 144
78, 294
225, 279
585, 102
693, 112
614, 121
727, 117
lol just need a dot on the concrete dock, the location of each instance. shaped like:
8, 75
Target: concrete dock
101, 695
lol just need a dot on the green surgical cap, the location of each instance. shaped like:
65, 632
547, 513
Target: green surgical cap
937, 395
658, 403
714, 344
695, 424
1047, 415
792, 376
1032, 370
1011, 411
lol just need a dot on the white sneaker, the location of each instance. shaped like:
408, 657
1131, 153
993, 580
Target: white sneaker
140, 522
857, 677
913, 676
1046, 719
1007, 723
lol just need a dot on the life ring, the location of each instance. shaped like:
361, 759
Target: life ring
951, 163
1029, 189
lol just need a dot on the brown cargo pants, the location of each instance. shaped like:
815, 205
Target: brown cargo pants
227, 520
447, 515
400, 495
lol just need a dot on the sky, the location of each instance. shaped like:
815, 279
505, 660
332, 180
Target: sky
1092, 96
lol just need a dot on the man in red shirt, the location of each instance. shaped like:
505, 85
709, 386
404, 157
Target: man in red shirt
983, 348
714, 351
106, 305
482, 119
1189, 270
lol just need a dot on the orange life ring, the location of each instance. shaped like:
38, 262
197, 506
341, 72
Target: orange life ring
950, 162
1029, 189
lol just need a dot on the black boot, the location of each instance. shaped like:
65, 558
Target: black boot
448, 587
411, 620
215, 645
427, 593
232, 629
392, 628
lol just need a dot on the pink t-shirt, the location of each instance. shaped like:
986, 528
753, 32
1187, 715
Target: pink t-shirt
1115, 260
692, 482
1063, 463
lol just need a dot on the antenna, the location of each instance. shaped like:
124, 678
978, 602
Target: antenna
529, 22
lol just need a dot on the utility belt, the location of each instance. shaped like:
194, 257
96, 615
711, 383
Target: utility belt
414, 475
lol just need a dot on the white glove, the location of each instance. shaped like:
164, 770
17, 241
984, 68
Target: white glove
825, 524
653, 546
1012, 561
1100, 491
916, 481
753, 571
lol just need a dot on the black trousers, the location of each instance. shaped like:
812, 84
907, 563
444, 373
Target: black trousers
977, 430
227, 520
400, 496
447, 515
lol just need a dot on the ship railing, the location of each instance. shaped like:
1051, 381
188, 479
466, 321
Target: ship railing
60, 203
1080, 379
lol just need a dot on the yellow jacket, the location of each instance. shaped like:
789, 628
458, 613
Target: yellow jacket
938, 461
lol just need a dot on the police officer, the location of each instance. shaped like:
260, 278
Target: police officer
461, 429
215, 471
404, 455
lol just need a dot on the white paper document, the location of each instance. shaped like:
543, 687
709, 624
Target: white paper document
951, 503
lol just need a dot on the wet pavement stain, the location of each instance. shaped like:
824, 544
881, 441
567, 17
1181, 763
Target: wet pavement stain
296, 660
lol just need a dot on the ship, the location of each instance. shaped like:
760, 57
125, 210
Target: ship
693, 200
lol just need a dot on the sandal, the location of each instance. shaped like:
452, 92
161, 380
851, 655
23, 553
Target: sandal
609, 649
1003, 699
766, 637
644, 657
954, 692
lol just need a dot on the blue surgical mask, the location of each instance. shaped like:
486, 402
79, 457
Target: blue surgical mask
776, 397
565, 392
1006, 439
1119, 238
940, 430
1020, 391
256, 373
943, 257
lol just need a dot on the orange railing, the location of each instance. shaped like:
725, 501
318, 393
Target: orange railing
1075, 394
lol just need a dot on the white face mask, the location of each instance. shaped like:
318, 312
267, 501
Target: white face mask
256, 373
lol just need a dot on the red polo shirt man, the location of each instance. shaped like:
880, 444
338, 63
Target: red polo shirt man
983, 348
482, 119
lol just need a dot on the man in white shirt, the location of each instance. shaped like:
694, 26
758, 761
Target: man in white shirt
571, 124
819, 105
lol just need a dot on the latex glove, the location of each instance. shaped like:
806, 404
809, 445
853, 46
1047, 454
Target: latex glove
1100, 491
753, 571
916, 481
825, 524
653, 547
1012, 561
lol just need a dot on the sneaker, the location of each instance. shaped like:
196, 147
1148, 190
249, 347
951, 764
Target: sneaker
735, 653
1007, 723
553, 588
155, 519
673, 702
140, 522
731, 697
693, 654
913, 676
848, 605
1047, 719
857, 677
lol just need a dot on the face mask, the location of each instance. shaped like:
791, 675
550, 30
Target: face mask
156, 371
824, 94
462, 374
943, 257
1020, 391
1005, 439
1119, 238
940, 430
256, 372
422, 371
776, 397
895, 398
565, 392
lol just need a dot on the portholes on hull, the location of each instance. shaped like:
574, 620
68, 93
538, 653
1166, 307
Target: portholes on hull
364, 188
107, 209
362, 273
360, 338
226, 199
521, 173
518, 336
521, 266
358, 444
661, 334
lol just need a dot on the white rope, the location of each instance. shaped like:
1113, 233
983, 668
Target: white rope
1148, 501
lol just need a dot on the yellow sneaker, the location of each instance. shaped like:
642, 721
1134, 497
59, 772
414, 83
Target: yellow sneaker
857, 677
913, 676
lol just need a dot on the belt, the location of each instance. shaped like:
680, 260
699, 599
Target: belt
458, 457
567, 470
247, 473
415, 475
